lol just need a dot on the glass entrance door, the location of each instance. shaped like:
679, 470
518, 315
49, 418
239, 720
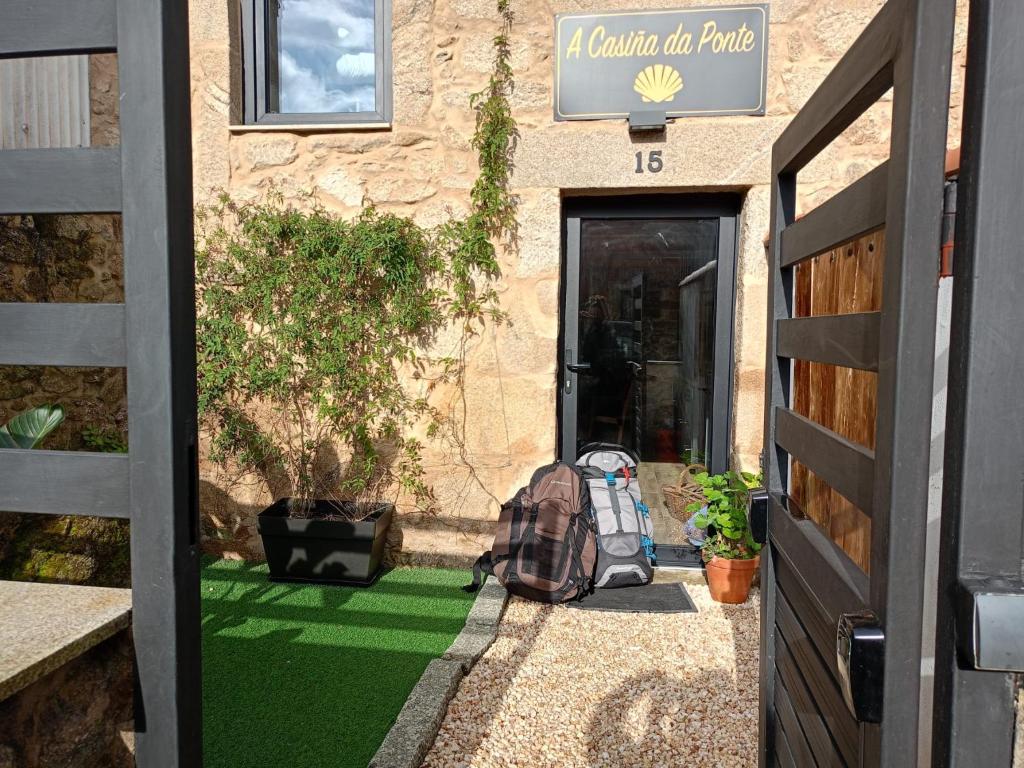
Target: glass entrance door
647, 327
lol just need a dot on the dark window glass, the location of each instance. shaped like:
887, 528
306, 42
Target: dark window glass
316, 61
321, 59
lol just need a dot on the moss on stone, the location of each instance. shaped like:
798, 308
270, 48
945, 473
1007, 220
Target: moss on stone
73, 550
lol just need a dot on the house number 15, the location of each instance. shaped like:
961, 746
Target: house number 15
654, 161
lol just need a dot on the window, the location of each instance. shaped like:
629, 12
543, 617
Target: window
316, 61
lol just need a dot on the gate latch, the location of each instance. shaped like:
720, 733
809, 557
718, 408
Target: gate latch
860, 656
990, 616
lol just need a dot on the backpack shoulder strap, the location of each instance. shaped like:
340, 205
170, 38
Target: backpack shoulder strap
484, 564
577, 542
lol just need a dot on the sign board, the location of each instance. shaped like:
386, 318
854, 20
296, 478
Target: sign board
693, 61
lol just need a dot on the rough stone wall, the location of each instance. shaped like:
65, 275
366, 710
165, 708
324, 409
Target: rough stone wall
63, 259
424, 167
104, 130
79, 716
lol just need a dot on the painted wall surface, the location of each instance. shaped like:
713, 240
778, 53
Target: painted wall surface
423, 166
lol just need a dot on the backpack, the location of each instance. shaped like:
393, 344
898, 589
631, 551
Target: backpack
625, 533
544, 547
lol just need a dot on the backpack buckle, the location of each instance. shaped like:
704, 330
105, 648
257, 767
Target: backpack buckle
609, 477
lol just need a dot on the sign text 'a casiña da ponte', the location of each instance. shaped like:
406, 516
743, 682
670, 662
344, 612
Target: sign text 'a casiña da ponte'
692, 61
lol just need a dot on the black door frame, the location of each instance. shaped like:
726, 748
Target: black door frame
726, 208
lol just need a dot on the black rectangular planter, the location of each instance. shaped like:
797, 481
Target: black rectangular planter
323, 551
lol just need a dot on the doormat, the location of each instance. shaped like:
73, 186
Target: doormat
653, 598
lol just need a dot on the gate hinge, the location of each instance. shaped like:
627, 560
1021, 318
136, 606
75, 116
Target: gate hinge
948, 229
990, 618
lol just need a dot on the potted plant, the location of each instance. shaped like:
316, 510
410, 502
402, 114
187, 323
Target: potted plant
309, 328
729, 551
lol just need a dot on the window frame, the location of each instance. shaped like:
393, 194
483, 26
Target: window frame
256, 84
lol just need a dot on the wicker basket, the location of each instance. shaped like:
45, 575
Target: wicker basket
684, 493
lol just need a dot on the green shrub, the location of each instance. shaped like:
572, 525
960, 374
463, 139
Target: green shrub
104, 440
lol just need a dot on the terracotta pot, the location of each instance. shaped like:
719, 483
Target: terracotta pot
729, 580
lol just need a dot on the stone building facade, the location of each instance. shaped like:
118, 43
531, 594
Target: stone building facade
422, 165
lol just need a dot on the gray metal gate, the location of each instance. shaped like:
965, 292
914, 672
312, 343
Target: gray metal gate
148, 179
841, 652
980, 624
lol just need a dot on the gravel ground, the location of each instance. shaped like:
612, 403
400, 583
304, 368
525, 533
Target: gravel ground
562, 688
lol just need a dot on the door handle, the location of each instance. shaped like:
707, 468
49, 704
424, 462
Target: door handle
860, 658
578, 367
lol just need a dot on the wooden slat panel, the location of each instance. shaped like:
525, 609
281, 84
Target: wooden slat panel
62, 334
783, 754
838, 584
820, 681
792, 725
819, 738
844, 281
60, 181
857, 210
49, 27
847, 467
65, 482
815, 621
850, 341
857, 81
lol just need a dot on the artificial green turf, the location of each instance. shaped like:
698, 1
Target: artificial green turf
303, 675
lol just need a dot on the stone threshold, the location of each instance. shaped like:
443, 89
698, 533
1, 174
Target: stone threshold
416, 727
44, 626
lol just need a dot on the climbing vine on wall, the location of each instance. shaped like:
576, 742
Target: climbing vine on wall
493, 205
309, 325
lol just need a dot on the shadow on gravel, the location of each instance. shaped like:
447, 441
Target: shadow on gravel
499, 669
658, 720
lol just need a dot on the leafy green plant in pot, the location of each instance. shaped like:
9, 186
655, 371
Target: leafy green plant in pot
308, 330
730, 554
305, 322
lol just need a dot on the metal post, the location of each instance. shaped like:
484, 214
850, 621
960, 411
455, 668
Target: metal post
160, 330
983, 493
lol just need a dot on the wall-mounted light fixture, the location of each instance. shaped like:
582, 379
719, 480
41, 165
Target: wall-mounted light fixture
647, 121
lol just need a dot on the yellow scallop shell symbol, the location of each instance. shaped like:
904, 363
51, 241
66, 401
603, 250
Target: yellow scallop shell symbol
657, 83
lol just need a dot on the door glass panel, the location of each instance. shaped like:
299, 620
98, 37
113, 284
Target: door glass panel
646, 330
